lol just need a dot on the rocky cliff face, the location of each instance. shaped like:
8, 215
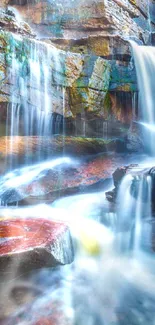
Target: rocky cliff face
74, 19
94, 70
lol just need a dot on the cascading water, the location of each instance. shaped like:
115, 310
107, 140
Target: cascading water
94, 289
32, 72
144, 58
132, 211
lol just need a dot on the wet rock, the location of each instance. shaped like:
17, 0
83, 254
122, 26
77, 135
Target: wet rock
8, 22
118, 176
80, 82
140, 176
52, 311
52, 183
70, 20
55, 146
9, 196
26, 244
134, 139
83, 80
101, 63
107, 46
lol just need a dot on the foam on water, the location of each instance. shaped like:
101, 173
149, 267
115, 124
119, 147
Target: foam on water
19, 178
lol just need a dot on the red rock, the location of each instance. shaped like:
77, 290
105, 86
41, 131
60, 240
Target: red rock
63, 181
34, 243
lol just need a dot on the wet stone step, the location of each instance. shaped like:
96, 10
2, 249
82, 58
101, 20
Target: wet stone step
27, 244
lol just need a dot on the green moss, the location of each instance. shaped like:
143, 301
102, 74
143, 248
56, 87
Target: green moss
107, 105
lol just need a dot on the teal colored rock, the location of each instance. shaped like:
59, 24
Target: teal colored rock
123, 77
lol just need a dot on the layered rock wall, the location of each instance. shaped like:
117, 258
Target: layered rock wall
95, 68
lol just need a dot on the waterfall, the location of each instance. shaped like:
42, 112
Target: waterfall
132, 211
144, 57
124, 213
32, 73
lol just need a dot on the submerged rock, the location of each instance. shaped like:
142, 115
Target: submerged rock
26, 244
42, 183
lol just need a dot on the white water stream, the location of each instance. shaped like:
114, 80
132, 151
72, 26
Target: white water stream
144, 58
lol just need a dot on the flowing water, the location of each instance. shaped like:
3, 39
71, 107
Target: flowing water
104, 285
144, 58
111, 281
35, 88
132, 211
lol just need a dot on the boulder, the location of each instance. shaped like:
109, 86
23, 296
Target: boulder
30, 243
48, 181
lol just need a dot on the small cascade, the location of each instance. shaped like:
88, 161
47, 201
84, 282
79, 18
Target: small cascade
134, 107
144, 57
14, 185
124, 212
32, 72
132, 211
142, 210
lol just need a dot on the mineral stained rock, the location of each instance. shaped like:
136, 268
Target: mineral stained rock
30, 243
54, 146
49, 184
88, 78
94, 53
85, 18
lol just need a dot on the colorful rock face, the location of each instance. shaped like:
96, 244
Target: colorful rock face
9, 22
80, 81
26, 244
97, 32
55, 146
84, 78
83, 18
